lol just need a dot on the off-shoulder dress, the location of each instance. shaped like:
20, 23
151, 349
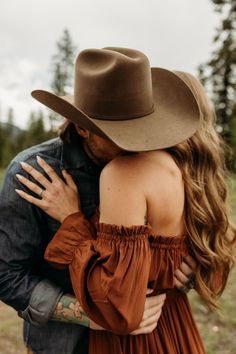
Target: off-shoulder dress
111, 267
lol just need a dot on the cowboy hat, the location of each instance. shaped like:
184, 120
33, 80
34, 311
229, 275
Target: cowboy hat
119, 97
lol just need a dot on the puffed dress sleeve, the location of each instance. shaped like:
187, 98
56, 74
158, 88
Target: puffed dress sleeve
109, 270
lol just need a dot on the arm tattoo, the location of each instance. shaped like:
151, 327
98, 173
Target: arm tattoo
68, 310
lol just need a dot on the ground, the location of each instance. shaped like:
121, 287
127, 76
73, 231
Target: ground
217, 329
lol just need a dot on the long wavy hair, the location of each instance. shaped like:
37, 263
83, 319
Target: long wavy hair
211, 234
201, 159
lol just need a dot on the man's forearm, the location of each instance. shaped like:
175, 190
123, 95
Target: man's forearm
69, 310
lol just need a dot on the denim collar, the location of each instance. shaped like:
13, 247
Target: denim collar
74, 156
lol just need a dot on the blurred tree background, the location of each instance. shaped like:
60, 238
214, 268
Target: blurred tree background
218, 75
40, 126
62, 70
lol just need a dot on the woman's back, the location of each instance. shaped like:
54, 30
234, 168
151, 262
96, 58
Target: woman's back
112, 269
149, 186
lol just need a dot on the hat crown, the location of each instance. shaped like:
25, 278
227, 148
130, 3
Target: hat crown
113, 86
113, 83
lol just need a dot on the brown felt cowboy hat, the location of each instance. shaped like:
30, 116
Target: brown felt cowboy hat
118, 96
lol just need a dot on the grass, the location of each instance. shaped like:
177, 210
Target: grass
10, 331
217, 329
232, 197
11, 341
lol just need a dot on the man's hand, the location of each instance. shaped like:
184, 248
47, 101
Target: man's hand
151, 315
185, 274
69, 310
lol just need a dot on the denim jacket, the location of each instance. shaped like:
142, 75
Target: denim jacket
28, 283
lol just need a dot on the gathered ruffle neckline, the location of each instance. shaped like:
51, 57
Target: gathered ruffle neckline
131, 233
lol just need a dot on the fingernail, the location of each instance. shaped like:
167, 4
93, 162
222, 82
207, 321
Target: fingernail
17, 190
39, 159
18, 176
24, 164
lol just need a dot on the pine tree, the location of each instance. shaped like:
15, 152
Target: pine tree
219, 73
10, 121
62, 69
35, 133
63, 64
9, 147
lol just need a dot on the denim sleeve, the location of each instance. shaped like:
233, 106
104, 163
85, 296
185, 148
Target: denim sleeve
21, 252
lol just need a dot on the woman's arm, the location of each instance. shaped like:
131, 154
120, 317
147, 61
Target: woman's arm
75, 234
69, 310
102, 271
109, 275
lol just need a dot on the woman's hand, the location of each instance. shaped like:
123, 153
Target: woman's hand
185, 274
151, 315
57, 198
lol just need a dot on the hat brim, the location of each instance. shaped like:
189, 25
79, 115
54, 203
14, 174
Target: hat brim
175, 117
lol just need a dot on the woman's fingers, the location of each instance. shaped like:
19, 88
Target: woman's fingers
32, 186
48, 169
36, 175
29, 198
148, 325
186, 270
146, 330
191, 262
151, 319
58, 199
152, 311
69, 180
149, 291
183, 288
153, 301
182, 278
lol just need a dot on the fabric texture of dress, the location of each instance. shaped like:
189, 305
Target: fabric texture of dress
111, 267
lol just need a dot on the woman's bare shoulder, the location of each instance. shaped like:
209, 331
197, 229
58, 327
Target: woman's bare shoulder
134, 180
122, 169
144, 165
162, 160
162, 172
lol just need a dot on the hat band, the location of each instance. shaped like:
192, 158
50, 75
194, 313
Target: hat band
120, 117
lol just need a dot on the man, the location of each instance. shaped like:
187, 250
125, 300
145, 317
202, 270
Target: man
37, 291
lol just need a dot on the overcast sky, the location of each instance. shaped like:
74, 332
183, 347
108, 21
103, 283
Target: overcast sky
174, 34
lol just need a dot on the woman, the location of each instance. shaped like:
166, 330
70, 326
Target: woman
155, 207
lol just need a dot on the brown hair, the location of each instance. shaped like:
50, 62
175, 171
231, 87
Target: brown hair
201, 159
65, 130
211, 234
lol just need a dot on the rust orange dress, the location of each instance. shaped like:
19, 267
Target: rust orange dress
111, 267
